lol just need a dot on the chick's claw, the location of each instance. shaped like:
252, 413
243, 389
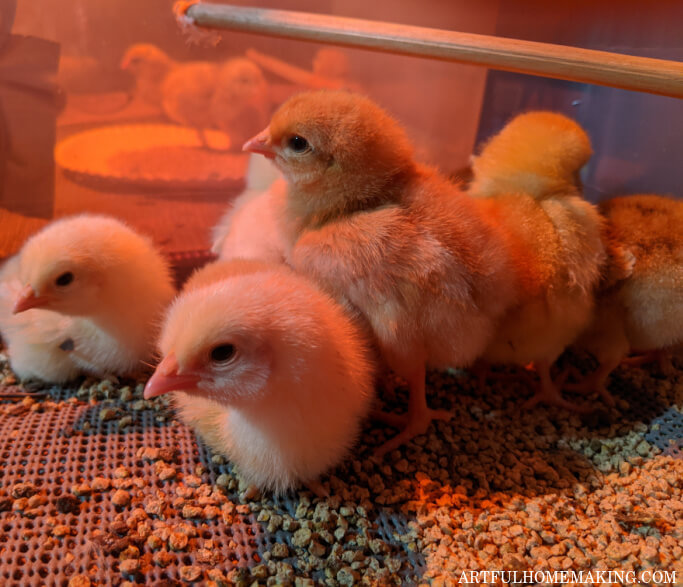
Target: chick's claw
549, 392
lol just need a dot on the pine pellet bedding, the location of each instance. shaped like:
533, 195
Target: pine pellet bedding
102, 487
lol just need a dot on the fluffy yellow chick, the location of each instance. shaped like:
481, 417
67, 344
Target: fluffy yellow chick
53, 347
427, 269
253, 226
37, 342
538, 153
97, 268
272, 372
240, 105
643, 311
526, 176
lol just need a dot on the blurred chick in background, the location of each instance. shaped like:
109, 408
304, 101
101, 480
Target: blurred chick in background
187, 94
401, 243
231, 96
643, 311
272, 372
253, 226
183, 90
96, 268
150, 66
525, 178
240, 104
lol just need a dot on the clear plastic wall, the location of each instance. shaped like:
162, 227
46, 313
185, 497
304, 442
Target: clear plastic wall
80, 131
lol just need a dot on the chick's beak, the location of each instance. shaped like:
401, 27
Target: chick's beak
261, 143
28, 299
167, 378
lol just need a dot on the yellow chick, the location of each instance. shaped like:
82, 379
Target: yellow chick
37, 342
96, 267
526, 176
272, 372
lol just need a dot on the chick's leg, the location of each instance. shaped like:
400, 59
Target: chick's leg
548, 392
419, 415
206, 143
657, 356
597, 381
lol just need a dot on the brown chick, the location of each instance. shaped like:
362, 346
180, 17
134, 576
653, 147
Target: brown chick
526, 176
644, 310
427, 269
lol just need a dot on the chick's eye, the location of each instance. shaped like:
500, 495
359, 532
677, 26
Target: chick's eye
298, 144
222, 353
64, 279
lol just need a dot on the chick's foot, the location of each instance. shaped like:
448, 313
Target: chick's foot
549, 393
412, 425
595, 382
419, 416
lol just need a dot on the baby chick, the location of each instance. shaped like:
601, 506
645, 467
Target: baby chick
97, 268
53, 347
644, 310
527, 177
272, 372
240, 104
417, 257
537, 153
184, 90
150, 66
35, 341
252, 228
187, 92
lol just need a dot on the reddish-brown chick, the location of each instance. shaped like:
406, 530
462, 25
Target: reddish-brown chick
429, 271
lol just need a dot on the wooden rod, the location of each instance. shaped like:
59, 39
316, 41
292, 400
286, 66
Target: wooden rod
656, 76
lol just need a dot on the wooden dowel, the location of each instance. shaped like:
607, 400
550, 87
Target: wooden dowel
643, 74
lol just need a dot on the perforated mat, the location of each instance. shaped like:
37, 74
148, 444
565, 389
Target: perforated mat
55, 447
100, 487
